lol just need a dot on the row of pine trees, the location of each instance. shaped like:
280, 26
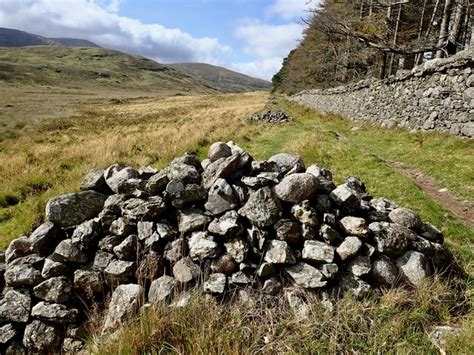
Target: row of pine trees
349, 40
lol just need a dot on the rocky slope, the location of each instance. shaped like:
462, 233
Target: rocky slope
224, 224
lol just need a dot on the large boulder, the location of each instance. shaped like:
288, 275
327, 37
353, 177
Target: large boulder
71, 209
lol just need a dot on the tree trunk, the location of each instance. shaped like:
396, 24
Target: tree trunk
455, 27
420, 32
395, 37
443, 31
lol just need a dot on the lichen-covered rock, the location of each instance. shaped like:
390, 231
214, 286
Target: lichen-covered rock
226, 225
7, 333
119, 272
391, 239
287, 164
88, 280
306, 275
124, 305
349, 248
70, 251
354, 226
406, 218
118, 174
53, 268
41, 337
220, 168
216, 283
384, 270
15, 306
54, 312
218, 150
55, 289
262, 208
45, 238
237, 248
360, 266
24, 271
278, 252
224, 264
127, 250
95, 180
221, 198
192, 219
202, 245
185, 270
161, 289
17, 248
318, 251
72, 209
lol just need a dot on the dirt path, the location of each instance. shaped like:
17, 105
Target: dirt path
431, 188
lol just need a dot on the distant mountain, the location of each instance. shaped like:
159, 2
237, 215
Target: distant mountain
222, 79
92, 68
16, 38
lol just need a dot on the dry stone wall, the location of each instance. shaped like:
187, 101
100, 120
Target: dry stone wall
226, 224
438, 95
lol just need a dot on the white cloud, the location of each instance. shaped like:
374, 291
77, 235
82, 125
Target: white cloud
97, 20
262, 68
289, 9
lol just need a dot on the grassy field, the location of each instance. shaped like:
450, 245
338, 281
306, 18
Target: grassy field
51, 156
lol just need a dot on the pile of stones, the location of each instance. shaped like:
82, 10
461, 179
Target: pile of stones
227, 223
269, 116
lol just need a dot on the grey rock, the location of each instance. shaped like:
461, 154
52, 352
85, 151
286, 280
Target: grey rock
16, 348
18, 248
132, 186
182, 195
329, 234
124, 305
122, 227
127, 250
297, 187
278, 252
237, 248
354, 226
318, 251
345, 197
74, 346
430, 232
305, 275
406, 218
216, 283
188, 159
72, 209
349, 248
245, 160
202, 245
144, 230
256, 238
15, 307
56, 290
95, 180
147, 172
384, 271
109, 242
157, 183
414, 267
354, 285
161, 289
192, 219
289, 231
119, 272
221, 198
224, 264
144, 210
329, 270
54, 312
45, 238
226, 225
218, 150
221, 168
262, 208
175, 250
265, 270
360, 266
271, 286
166, 232
185, 270
117, 174
324, 177
88, 280
391, 239
287, 163
7, 333
239, 278
41, 337
24, 271
69, 251
187, 174
305, 214
53, 268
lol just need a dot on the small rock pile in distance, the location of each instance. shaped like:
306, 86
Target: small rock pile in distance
226, 223
269, 116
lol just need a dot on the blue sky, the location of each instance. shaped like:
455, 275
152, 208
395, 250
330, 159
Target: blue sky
250, 36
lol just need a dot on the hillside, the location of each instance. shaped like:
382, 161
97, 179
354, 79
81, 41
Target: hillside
15, 38
222, 79
79, 68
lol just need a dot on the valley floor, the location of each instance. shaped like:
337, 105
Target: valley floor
50, 156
